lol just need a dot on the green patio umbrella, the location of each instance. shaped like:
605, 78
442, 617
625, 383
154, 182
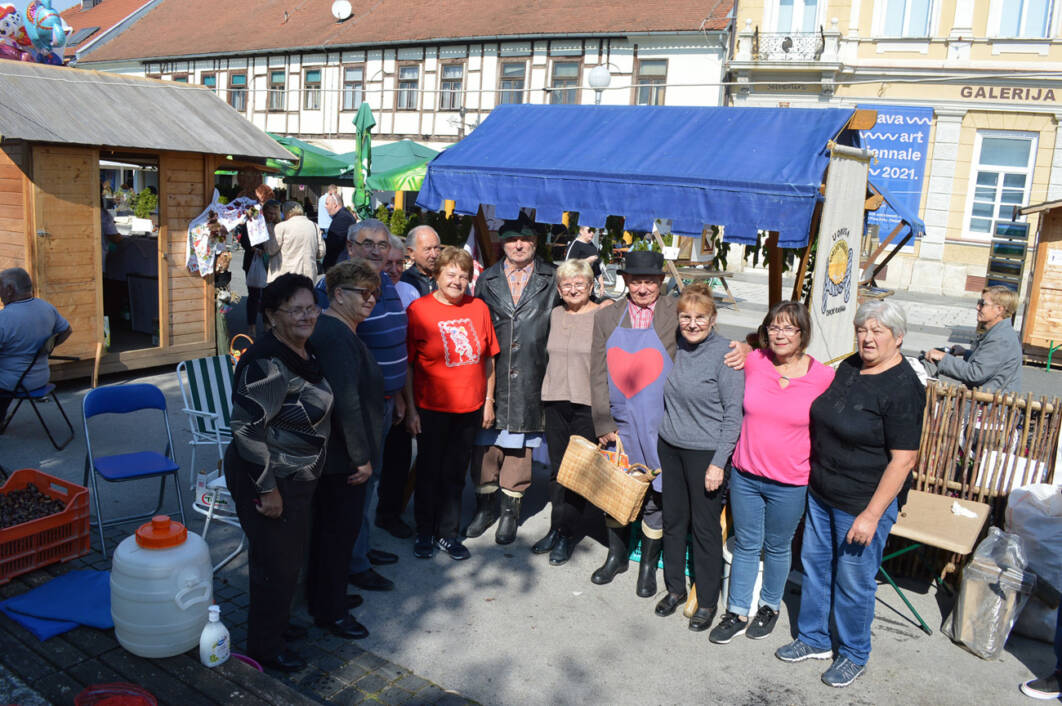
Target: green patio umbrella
314, 165
363, 124
407, 177
404, 153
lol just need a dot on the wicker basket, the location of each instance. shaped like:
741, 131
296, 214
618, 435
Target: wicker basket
618, 491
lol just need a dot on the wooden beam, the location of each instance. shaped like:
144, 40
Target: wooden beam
479, 223
862, 119
669, 264
448, 207
400, 200
774, 269
813, 234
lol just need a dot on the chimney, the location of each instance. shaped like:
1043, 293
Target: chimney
89, 4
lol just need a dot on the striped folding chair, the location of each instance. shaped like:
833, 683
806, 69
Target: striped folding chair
206, 388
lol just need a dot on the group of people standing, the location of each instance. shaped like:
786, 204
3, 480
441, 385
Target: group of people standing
324, 402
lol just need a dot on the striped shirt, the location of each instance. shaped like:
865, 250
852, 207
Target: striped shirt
641, 317
384, 334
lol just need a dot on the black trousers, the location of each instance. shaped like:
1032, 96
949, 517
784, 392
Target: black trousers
687, 503
444, 449
337, 516
397, 457
254, 299
276, 553
563, 420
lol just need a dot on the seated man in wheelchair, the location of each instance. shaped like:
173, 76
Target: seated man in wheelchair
26, 322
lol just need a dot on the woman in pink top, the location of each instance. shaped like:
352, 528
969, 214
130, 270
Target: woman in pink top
771, 464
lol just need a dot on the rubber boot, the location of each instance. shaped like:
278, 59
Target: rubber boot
510, 518
647, 570
486, 514
616, 562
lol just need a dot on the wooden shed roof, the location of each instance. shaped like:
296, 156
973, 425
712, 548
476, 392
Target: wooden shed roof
41, 103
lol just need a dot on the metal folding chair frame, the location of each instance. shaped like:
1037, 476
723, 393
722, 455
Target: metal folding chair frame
22, 393
91, 472
216, 434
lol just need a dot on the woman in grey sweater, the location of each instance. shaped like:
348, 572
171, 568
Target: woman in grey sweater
702, 418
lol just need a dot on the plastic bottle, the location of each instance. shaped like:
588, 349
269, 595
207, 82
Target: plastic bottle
214, 642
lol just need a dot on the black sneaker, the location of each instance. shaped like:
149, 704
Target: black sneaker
762, 624
453, 547
424, 546
728, 628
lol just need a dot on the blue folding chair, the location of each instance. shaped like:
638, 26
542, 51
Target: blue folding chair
117, 468
40, 394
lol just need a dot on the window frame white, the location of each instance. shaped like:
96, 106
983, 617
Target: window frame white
774, 11
276, 98
350, 88
451, 98
402, 94
975, 166
995, 17
880, 14
312, 95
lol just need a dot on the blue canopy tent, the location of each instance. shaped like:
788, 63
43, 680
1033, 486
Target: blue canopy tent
747, 169
910, 225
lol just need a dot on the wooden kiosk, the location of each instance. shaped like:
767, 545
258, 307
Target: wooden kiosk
57, 125
1041, 334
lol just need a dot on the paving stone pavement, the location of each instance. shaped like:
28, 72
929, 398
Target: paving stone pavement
34, 673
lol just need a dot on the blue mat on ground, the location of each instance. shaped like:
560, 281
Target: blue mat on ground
76, 598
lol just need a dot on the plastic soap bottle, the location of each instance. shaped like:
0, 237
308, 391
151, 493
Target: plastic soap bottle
214, 642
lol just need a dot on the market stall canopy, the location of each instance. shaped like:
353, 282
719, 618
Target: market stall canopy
312, 165
746, 169
914, 223
408, 177
397, 155
42, 103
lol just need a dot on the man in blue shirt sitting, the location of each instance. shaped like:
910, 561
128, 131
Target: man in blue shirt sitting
26, 322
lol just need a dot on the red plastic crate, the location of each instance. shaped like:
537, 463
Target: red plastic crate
59, 537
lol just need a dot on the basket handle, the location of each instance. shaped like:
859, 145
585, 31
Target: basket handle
619, 445
646, 474
232, 343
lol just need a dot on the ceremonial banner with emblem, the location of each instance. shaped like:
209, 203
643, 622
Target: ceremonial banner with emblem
835, 283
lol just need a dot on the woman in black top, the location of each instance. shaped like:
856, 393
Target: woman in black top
582, 248
865, 433
281, 410
357, 423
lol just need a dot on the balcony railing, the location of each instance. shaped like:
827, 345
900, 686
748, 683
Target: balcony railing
792, 46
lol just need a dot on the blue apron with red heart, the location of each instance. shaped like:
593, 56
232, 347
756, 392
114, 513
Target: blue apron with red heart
638, 366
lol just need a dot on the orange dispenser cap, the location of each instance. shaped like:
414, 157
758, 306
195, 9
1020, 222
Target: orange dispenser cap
161, 533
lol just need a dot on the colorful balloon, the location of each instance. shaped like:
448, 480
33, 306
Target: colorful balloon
14, 42
46, 30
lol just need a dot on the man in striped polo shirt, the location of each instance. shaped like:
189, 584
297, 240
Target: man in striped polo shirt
384, 334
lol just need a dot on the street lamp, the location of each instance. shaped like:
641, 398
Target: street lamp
599, 79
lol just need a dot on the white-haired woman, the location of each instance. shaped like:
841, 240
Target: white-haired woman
566, 397
865, 431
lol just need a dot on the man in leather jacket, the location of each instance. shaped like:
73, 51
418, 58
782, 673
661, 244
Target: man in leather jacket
520, 294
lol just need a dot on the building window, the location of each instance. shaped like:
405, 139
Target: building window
564, 84
312, 89
511, 82
210, 81
353, 87
797, 16
1021, 18
1001, 178
276, 90
649, 86
408, 84
238, 91
180, 78
450, 96
906, 18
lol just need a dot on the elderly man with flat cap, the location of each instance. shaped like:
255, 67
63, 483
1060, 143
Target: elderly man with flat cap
520, 294
631, 355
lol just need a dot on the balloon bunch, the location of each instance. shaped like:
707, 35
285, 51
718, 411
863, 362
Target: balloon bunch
40, 37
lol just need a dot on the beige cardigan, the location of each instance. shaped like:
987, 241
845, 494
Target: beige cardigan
296, 247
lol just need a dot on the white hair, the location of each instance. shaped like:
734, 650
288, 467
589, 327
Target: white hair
885, 312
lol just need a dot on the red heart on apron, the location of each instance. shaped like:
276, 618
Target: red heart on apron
633, 372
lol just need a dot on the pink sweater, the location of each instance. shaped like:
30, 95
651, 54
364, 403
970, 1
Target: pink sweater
775, 439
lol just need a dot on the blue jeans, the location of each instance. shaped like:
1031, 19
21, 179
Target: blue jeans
842, 573
766, 514
359, 560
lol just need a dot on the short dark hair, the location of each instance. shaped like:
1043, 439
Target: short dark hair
795, 313
283, 288
351, 273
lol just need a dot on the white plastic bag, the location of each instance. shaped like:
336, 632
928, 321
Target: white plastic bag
256, 275
1034, 512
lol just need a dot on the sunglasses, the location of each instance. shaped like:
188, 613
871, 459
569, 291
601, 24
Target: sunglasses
363, 292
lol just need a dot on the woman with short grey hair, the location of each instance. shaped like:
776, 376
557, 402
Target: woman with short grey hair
865, 432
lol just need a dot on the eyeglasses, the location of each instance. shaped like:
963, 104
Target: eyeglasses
373, 245
686, 320
784, 330
982, 303
363, 292
308, 312
573, 287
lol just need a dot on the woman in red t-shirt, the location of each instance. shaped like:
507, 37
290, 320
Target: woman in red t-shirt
451, 355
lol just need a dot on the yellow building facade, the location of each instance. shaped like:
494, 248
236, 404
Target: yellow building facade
989, 70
